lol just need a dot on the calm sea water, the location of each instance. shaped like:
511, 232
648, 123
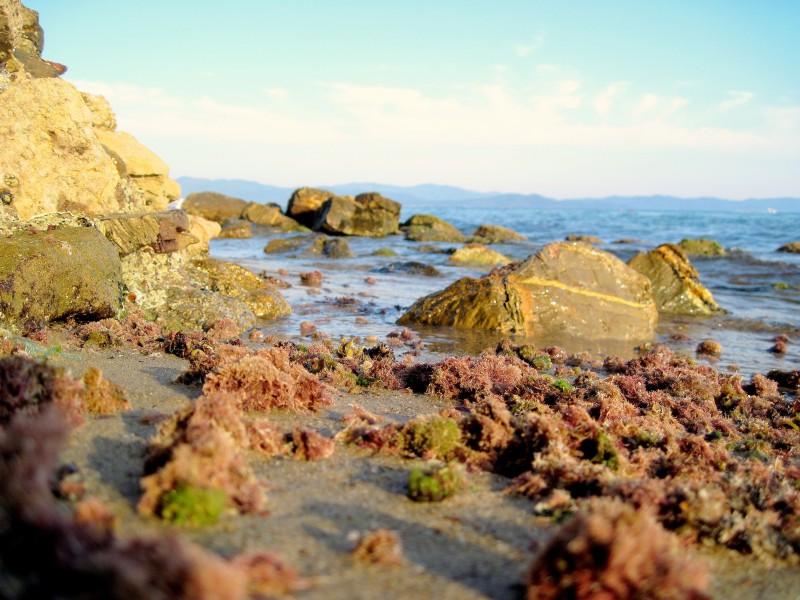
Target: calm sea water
756, 285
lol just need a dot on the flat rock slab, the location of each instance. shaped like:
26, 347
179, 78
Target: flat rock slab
51, 275
571, 289
166, 231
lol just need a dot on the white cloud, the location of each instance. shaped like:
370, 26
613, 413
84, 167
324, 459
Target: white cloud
276, 92
736, 99
547, 69
125, 93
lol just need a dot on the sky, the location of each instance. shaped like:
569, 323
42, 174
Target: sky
564, 98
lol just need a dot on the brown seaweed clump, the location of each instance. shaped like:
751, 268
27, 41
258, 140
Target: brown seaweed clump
196, 467
612, 552
266, 380
101, 396
380, 547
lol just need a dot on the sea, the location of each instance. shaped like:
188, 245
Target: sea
757, 286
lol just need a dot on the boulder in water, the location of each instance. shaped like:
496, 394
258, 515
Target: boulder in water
495, 234
214, 206
569, 289
429, 228
367, 215
478, 254
305, 204
676, 283
701, 247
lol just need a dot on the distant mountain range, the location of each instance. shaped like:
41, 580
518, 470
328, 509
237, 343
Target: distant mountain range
427, 194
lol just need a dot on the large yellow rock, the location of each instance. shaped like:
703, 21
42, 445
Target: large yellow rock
50, 159
143, 166
570, 289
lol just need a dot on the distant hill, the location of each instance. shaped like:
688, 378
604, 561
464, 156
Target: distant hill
426, 194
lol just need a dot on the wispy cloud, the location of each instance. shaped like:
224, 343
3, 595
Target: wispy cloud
528, 48
605, 99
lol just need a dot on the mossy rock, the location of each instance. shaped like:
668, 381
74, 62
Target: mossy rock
701, 247
284, 245
383, 252
434, 482
47, 276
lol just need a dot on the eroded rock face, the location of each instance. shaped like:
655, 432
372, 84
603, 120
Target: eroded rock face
48, 276
675, 282
367, 215
429, 228
146, 171
22, 41
50, 159
570, 289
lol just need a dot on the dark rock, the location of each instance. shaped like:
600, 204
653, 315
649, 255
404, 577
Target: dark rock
676, 283
411, 268
566, 289
589, 239
292, 244
367, 215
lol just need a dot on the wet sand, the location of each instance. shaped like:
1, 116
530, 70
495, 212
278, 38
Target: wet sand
477, 544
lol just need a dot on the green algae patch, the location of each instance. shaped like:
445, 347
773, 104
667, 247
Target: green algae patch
430, 437
195, 506
434, 482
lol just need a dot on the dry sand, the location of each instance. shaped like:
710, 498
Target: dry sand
477, 544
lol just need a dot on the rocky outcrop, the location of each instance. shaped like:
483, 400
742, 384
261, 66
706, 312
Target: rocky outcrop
367, 215
495, 234
701, 247
305, 204
478, 254
429, 228
48, 275
50, 158
147, 173
676, 283
571, 289
579, 237
103, 117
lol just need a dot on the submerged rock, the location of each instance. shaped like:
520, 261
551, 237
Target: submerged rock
367, 215
701, 247
589, 239
676, 283
429, 228
478, 254
496, 234
47, 276
566, 288
411, 268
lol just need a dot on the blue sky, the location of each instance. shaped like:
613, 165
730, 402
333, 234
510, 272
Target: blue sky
565, 99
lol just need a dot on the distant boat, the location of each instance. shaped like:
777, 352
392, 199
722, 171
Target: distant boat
772, 211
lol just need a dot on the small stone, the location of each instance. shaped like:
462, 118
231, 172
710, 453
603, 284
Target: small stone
307, 328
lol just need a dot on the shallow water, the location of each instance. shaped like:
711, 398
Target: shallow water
756, 285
